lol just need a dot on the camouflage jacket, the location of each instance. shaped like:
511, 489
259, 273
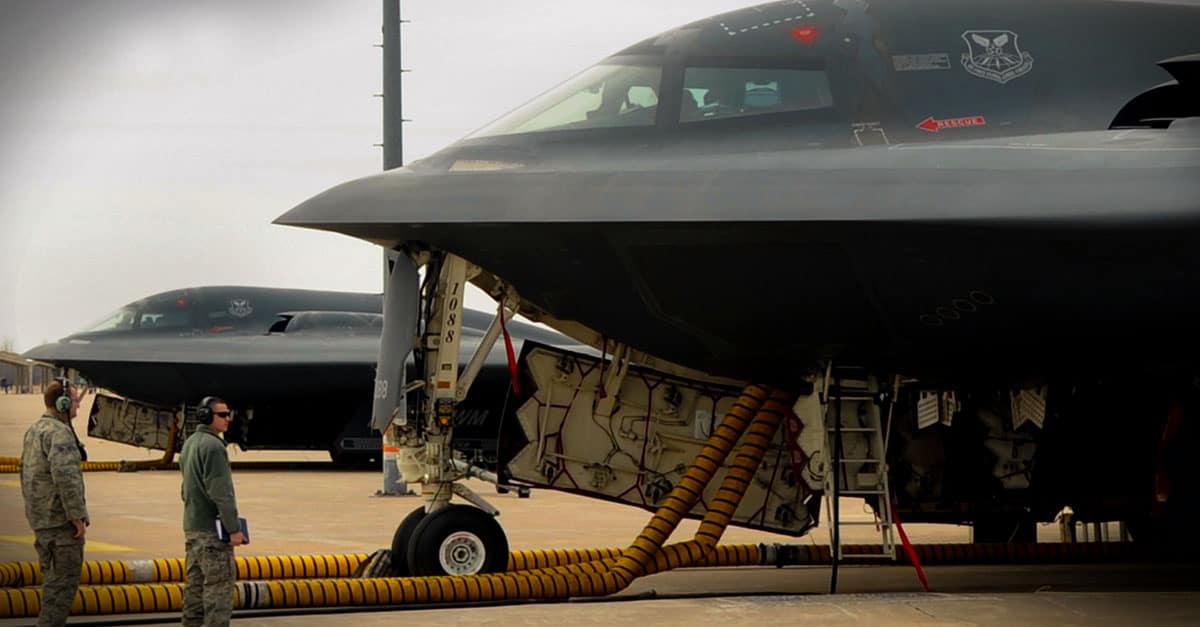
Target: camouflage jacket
51, 478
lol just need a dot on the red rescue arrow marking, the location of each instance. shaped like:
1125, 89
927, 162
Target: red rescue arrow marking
933, 125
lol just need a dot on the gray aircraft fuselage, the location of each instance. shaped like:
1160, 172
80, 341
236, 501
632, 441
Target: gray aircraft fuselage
953, 190
301, 362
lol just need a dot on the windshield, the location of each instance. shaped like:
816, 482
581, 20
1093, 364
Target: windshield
120, 320
603, 96
161, 312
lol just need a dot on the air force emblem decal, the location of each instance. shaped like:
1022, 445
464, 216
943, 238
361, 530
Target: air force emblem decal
240, 307
994, 55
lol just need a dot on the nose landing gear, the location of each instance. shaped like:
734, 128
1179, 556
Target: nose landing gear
440, 538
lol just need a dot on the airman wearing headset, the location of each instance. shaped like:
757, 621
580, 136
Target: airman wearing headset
208, 497
52, 485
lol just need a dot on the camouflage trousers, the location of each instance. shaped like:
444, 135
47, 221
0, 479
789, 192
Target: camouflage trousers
61, 558
208, 593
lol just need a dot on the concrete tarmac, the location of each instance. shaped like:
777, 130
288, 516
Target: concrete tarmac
138, 516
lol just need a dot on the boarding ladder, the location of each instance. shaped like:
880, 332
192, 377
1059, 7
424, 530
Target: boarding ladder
854, 395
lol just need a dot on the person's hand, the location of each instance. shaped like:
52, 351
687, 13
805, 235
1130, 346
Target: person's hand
237, 539
80, 529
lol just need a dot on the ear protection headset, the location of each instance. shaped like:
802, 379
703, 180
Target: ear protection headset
62, 404
204, 412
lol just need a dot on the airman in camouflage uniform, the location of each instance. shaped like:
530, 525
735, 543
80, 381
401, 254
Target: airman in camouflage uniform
52, 485
208, 495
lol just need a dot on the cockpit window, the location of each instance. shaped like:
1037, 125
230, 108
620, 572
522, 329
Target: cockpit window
167, 319
160, 313
603, 96
714, 93
120, 320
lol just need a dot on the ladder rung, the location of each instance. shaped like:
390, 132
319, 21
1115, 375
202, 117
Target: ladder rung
851, 395
859, 492
852, 429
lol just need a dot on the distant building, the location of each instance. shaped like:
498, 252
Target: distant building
24, 376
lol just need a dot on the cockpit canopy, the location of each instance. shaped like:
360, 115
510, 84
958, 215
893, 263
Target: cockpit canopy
841, 74
627, 93
602, 96
182, 312
161, 312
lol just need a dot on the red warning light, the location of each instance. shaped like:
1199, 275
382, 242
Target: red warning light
182, 302
804, 34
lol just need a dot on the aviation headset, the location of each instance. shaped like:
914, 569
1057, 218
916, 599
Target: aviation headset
62, 404
204, 412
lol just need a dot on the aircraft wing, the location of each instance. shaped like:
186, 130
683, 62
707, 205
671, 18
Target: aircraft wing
1084, 176
856, 252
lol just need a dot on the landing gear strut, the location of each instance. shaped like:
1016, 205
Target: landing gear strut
440, 538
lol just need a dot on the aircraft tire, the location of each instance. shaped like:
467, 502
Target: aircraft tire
400, 541
457, 540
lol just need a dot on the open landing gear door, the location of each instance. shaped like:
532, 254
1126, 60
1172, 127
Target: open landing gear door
620, 431
399, 327
127, 421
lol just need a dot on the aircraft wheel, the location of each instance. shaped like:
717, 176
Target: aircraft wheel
401, 540
457, 540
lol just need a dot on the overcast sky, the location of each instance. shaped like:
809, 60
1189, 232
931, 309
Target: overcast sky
146, 145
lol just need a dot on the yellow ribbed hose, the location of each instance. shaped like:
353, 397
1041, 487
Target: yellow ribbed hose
101, 572
14, 574
13, 464
110, 572
155, 464
549, 558
100, 466
256, 595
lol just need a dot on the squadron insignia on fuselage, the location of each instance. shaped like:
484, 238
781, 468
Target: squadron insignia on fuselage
994, 55
240, 307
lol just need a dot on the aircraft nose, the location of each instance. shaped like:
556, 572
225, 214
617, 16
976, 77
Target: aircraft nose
345, 203
356, 202
45, 352
396, 206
